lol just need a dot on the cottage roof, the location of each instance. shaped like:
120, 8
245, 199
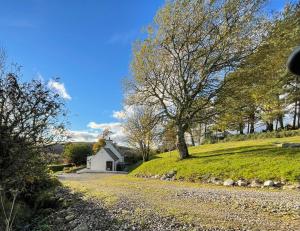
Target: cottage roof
111, 154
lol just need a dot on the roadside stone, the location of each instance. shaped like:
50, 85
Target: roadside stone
171, 174
255, 184
277, 184
242, 183
216, 181
228, 182
163, 177
269, 183
156, 176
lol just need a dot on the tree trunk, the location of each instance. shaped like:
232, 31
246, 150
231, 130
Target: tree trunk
241, 129
252, 120
200, 133
280, 120
298, 115
248, 127
181, 143
192, 138
144, 151
295, 115
269, 126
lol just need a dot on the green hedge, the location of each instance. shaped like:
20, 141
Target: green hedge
59, 167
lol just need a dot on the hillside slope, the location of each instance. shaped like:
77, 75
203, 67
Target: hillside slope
252, 159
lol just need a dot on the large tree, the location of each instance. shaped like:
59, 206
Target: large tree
192, 45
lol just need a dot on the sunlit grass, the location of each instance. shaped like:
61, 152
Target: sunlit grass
250, 159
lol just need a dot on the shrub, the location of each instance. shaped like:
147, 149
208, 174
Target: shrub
77, 153
58, 167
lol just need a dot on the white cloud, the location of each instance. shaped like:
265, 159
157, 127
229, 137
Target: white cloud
82, 136
122, 114
111, 126
118, 134
59, 88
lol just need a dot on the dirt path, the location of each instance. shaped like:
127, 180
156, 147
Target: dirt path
146, 204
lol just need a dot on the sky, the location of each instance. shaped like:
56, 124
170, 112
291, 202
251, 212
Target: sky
87, 44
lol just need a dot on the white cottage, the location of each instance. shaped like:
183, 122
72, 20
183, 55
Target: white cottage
106, 159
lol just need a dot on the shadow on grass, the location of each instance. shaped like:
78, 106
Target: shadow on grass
265, 150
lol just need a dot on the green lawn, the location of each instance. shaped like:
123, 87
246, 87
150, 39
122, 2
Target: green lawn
250, 159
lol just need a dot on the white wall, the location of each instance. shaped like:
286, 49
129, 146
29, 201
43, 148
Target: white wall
98, 161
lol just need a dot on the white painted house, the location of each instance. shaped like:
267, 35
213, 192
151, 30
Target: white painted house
106, 159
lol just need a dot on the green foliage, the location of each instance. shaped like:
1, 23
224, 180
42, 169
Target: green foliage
58, 167
73, 169
179, 67
77, 152
46, 199
29, 113
21, 211
259, 159
98, 145
261, 88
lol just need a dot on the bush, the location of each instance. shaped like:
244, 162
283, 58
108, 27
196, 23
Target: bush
73, 169
58, 167
77, 153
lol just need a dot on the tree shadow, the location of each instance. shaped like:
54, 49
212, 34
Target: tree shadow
247, 150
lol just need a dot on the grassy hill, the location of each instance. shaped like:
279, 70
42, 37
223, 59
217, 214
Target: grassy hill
251, 159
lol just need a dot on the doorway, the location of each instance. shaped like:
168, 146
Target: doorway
109, 165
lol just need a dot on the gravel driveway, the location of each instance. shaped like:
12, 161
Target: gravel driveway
120, 202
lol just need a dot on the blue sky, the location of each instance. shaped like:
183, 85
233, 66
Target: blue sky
87, 44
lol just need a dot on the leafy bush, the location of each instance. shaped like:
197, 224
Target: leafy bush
73, 169
77, 153
58, 167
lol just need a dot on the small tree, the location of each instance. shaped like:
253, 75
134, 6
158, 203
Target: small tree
101, 141
98, 145
141, 130
77, 153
